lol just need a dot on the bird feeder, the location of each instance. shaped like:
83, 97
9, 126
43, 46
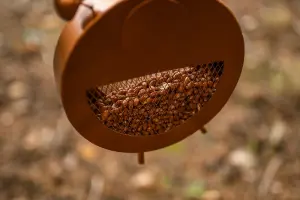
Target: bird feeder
139, 75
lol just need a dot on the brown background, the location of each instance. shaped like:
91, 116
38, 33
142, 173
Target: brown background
252, 149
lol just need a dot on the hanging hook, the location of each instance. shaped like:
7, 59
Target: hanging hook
66, 9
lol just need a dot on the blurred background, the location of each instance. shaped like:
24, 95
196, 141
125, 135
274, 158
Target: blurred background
252, 149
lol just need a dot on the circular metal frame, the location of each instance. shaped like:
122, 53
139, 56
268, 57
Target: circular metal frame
134, 38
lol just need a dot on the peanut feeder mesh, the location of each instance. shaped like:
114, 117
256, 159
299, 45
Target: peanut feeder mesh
155, 103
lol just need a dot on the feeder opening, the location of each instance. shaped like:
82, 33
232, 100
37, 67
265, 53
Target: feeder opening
155, 103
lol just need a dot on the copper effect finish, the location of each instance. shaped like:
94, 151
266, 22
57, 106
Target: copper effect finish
110, 41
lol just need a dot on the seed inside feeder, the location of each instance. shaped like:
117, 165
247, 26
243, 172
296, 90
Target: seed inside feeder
156, 103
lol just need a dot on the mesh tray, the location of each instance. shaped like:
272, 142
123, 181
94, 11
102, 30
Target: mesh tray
156, 103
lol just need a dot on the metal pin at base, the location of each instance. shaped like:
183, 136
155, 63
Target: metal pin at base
203, 130
141, 158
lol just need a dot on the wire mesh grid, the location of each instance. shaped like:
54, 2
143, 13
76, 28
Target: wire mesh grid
155, 103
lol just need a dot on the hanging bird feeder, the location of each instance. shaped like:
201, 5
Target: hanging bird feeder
139, 75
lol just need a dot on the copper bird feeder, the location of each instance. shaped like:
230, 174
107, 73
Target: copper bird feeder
139, 75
